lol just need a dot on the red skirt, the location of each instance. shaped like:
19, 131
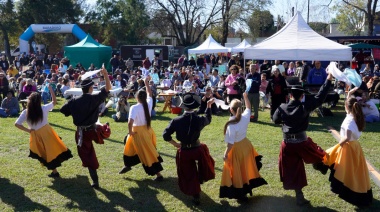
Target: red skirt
189, 175
87, 152
291, 162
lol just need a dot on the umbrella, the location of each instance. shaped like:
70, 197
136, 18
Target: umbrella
363, 46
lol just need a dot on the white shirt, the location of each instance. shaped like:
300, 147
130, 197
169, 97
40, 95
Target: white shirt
371, 110
136, 112
45, 111
350, 124
280, 67
237, 132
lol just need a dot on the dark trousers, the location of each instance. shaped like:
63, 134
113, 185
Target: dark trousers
277, 100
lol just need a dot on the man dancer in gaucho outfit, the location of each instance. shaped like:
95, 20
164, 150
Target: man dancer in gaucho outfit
297, 147
84, 111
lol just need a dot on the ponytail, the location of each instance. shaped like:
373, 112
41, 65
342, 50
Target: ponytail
236, 106
141, 96
357, 112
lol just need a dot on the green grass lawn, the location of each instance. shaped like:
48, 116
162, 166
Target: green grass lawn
24, 185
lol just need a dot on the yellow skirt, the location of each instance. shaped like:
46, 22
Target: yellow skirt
47, 147
349, 173
241, 173
141, 147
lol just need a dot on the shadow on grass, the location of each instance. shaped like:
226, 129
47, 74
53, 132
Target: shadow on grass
170, 185
84, 198
14, 195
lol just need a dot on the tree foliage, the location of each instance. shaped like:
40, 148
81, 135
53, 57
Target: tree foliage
8, 24
123, 20
369, 9
187, 19
260, 23
351, 20
318, 27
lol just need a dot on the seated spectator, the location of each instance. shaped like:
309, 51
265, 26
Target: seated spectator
103, 110
175, 77
9, 106
12, 71
366, 72
140, 84
214, 78
376, 71
122, 109
317, 75
195, 89
12, 84
221, 86
45, 92
209, 94
65, 87
27, 89
339, 87
119, 82
370, 111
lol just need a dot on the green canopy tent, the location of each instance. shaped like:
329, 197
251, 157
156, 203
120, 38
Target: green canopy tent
88, 51
363, 46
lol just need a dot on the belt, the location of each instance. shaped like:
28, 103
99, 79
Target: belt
80, 132
295, 137
190, 146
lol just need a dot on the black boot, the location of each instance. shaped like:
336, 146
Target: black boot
94, 177
300, 198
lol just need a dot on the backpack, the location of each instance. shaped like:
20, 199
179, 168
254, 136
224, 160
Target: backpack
241, 86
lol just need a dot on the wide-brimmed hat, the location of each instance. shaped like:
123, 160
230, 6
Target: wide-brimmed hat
87, 83
189, 101
298, 89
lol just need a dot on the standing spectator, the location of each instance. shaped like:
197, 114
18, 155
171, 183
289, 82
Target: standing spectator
24, 61
194, 162
9, 105
48, 62
305, 71
200, 62
180, 61
114, 61
231, 62
266, 68
317, 75
208, 63
298, 71
280, 67
277, 89
129, 64
85, 112
253, 93
146, 63
291, 70
4, 64
140, 146
263, 89
192, 62
45, 145
241, 161
4, 86
232, 84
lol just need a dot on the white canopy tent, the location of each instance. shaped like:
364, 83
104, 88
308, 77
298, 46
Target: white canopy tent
209, 46
297, 41
241, 46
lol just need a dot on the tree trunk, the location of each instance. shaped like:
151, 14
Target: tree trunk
6, 44
370, 18
225, 22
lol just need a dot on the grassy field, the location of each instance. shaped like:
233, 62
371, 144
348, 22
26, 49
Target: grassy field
24, 185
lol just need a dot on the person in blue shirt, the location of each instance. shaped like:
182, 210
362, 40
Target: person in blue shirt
317, 75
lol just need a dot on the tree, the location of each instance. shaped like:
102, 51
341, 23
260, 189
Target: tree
318, 27
233, 11
123, 20
8, 24
369, 10
187, 19
260, 23
351, 20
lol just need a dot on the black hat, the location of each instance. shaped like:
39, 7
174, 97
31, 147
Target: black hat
298, 89
190, 101
86, 83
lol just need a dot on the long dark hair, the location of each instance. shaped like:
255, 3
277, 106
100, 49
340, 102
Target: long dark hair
141, 96
356, 110
236, 107
34, 110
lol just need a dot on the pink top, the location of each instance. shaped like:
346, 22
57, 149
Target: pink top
263, 86
228, 83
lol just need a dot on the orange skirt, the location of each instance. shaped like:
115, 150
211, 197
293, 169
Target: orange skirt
141, 147
48, 148
241, 172
349, 173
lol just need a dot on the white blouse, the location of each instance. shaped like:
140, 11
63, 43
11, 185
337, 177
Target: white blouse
350, 124
136, 112
237, 132
45, 111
